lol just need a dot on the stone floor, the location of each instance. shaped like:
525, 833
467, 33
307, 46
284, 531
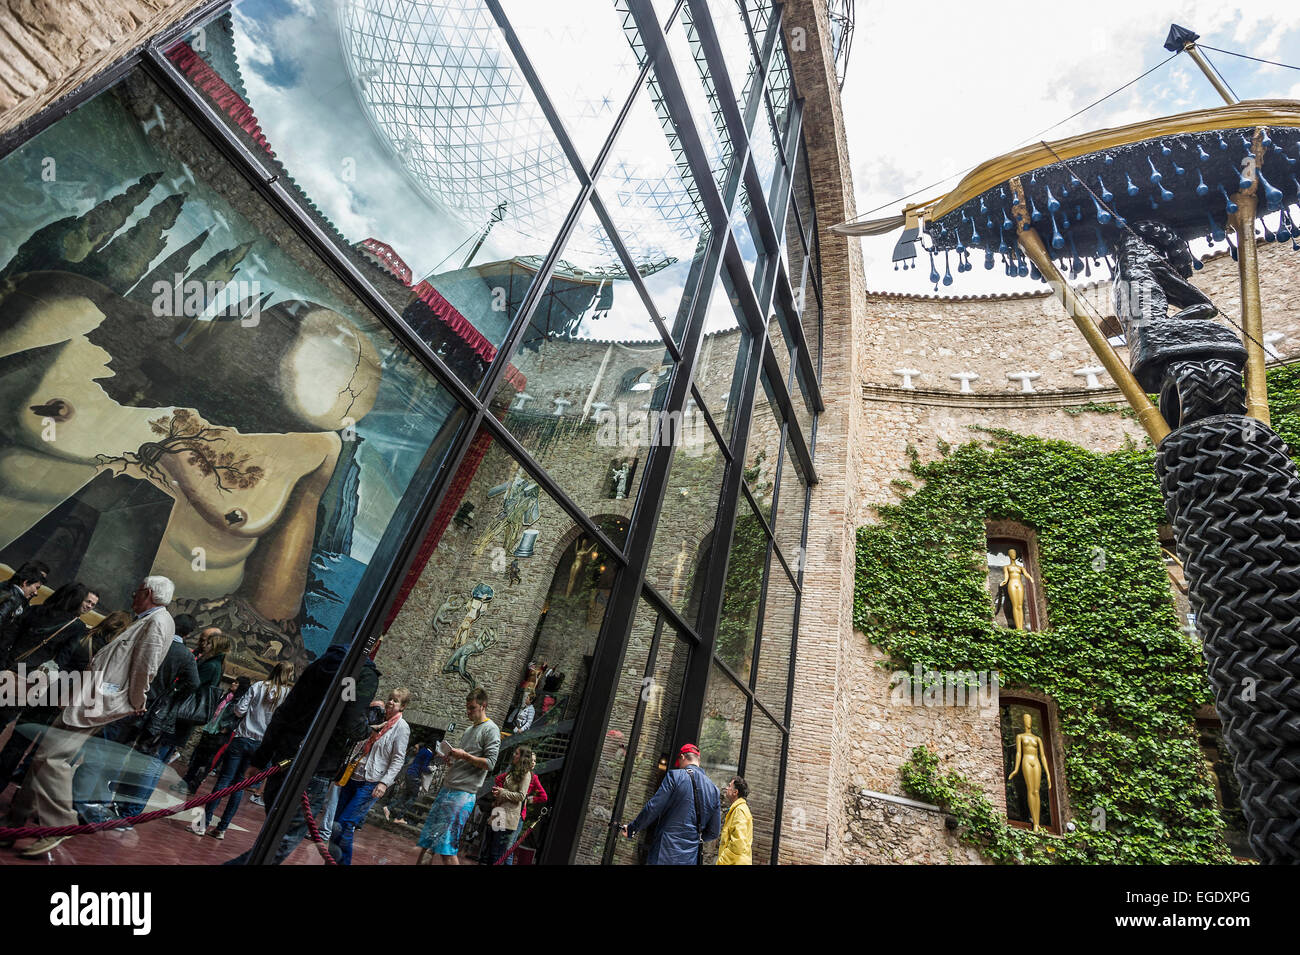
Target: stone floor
169, 841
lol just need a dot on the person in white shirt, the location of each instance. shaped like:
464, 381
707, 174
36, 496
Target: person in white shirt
526, 714
255, 709
375, 765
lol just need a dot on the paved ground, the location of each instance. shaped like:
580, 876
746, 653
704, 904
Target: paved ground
170, 842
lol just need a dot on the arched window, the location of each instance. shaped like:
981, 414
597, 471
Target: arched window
1035, 763
1014, 582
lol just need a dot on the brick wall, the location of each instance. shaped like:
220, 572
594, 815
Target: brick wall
818, 771
50, 47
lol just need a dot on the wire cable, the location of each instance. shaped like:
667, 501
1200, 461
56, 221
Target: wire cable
1287, 66
1037, 135
1221, 79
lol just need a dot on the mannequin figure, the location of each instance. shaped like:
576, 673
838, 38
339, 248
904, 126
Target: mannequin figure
1014, 576
585, 553
1032, 755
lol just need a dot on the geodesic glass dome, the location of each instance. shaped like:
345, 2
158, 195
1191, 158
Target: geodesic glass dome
444, 93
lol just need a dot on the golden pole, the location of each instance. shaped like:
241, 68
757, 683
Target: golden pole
1204, 64
1148, 414
1252, 316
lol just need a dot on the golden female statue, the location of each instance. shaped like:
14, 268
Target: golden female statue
1014, 576
1032, 754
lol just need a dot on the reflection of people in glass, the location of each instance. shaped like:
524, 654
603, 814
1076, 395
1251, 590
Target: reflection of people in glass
1031, 754
1014, 576
513, 792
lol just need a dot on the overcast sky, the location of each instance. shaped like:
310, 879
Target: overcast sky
938, 87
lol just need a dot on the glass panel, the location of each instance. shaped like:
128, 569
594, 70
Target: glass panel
679, 559
769, 167
802, 193
748, 238
778, 337
632, 691
742, 592
702, 99
763, 448
411, 136
584, 60
792, 251
802, 402
724, 355
763, 778
654, 745
772, 682
510, 600
788, 526
723, 727
654, 203
760, 17
778, 85
663, 10
733, 39
592, 377
226, 412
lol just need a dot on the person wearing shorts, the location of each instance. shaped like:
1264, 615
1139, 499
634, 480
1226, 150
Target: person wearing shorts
468, 766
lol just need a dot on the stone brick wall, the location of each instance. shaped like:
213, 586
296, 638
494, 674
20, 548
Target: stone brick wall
885, 829
989, 336
824, 701
994, 336
50, 47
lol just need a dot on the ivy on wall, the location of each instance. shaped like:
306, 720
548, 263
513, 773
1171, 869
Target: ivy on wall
1126, 680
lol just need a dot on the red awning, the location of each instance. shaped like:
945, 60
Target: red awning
446, 313
223, 96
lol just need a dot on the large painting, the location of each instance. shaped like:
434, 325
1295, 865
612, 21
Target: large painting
186, 390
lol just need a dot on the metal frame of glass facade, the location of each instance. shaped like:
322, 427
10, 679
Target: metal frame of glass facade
796, 296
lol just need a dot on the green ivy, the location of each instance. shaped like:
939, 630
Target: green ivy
1126, 680
1094, 406
1284, 404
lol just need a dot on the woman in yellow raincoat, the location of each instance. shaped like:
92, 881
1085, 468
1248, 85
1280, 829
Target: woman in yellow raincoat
736, 841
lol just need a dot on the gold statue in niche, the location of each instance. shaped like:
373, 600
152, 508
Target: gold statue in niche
1031, 754
1013, 586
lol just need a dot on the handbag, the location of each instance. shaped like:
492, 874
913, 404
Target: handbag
351, 763
193, 707
196, 706
24, 656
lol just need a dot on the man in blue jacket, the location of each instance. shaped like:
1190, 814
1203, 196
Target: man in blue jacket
683, 814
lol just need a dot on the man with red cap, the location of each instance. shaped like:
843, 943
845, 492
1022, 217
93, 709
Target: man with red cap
683, 814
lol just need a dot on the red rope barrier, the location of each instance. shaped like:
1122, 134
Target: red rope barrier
314, 832
24, 832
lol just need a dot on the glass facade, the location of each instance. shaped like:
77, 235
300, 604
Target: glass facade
456, 335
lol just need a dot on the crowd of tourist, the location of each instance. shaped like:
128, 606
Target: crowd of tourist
149, 682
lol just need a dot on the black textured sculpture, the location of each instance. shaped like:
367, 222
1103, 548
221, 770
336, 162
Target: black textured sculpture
1233, 495
1193, 361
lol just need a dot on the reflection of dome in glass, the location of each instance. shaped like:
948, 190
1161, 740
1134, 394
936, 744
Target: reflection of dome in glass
442, 90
